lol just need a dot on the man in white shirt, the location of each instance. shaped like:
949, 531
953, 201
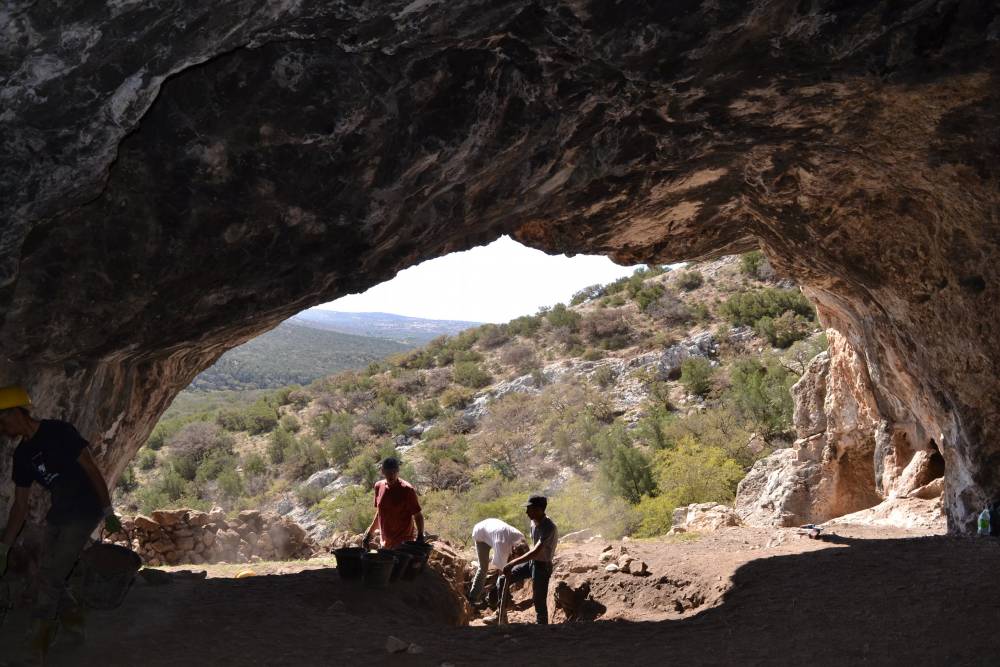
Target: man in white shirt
500, 538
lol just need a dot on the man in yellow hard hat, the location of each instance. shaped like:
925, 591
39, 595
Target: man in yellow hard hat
53, 454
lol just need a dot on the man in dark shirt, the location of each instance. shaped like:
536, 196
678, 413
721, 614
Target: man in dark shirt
55, 456
537, 563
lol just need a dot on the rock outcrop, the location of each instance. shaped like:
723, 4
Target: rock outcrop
178, 178
703, 517
847, 457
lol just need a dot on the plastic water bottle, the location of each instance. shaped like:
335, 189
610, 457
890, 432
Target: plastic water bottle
984, 522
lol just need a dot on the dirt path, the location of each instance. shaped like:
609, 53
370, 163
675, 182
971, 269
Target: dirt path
868, 596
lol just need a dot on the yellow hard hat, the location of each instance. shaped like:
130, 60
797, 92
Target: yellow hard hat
14, 397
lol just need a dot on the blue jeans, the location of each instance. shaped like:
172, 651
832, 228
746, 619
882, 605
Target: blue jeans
539, 572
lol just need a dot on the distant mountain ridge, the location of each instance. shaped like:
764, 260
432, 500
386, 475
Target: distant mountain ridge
400, 328
316, 343
293, 353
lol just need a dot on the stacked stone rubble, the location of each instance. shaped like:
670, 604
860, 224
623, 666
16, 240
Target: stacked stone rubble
183, 536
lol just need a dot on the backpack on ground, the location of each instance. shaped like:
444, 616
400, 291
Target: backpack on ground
994, 508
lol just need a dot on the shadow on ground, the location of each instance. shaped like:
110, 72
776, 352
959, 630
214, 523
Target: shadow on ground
921, 601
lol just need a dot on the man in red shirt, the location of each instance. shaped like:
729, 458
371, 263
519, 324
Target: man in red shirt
396, 509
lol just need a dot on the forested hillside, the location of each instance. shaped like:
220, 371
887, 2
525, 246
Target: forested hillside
292, 354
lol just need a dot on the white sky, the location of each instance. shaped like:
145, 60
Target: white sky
493, 283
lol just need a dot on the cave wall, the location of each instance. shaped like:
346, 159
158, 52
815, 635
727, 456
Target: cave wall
178, 178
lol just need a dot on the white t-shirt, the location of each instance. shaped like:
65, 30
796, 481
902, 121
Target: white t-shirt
501, 537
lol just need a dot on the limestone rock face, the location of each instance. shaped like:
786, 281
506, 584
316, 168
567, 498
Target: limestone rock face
836, 466
830, 469
175, 179
703, 517
809, 394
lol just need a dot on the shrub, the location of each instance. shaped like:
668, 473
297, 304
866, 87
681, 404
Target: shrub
656, 514
163, 431
291, 423
127, 481
750, 262
593, 354
191, 445
783, 330
526, 325
755, 265
604, 376
491, 336
351, 510
762, 393
261, 417
801, 353
254, 464
669, 309
304, 457
586, 294
428, 409
470, 374
457, 397
626, 469
520, 356
281, 441
230, 484
580, 505
607, 329
147, 459
696, 375
505, 437
214, 465
339, 437
690, 280
694, 473
310, 495
647, 295
562, 317
700, 312
445, 463
746, 308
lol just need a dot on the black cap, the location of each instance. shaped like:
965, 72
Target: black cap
541, 502
390, 463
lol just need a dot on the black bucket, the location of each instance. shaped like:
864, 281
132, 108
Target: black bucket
402, 564
402, 560
377, 569
419, 553
349, 562
108, 573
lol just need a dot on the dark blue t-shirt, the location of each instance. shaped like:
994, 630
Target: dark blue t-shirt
50, 458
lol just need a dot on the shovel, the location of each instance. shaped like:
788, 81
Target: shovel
501, 618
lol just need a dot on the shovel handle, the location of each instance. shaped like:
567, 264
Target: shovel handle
501, 619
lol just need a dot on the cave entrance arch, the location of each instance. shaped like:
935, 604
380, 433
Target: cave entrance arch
175, 193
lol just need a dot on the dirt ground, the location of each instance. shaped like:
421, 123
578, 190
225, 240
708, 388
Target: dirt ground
869, 596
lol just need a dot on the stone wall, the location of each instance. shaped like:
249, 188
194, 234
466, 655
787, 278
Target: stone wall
183, 536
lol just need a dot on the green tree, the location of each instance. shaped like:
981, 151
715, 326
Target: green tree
626, 468
696, 375
693, 473
762, 392
689, 280
470, 374
560, 316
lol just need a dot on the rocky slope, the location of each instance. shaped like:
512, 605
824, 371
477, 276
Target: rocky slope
179, 178
551, 402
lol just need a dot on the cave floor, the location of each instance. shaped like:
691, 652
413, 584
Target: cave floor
864, 596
